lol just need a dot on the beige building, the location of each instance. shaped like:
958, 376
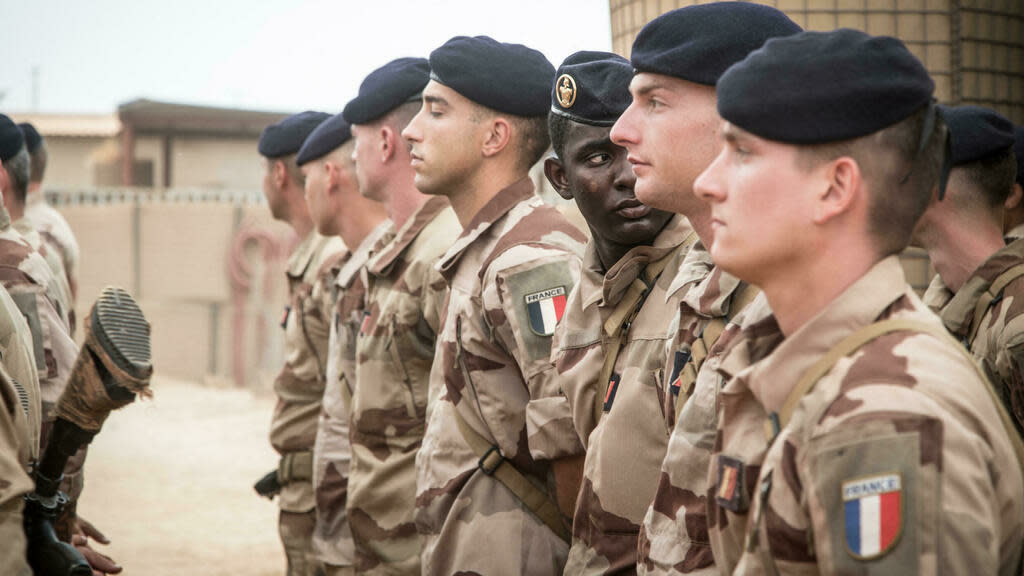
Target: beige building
974, 50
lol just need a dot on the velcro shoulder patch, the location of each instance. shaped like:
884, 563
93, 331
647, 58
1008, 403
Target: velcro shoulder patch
536, 297
872, 493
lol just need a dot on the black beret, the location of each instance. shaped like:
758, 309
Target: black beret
509, 78
817, 87
287, 136
32, 136
592, 88
11, 138
976, 132
699, 43
394, 83
325, 139
1018, 150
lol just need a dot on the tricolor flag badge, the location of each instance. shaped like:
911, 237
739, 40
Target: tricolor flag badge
365, 326
545, 309
679, 361
731, 491
872, 510
609, 395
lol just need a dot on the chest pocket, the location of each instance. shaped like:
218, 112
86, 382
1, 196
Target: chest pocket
411, 347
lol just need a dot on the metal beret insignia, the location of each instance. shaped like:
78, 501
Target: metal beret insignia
566, 91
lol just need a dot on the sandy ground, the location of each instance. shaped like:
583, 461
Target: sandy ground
169, 481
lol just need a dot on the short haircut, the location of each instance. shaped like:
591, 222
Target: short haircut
532, 133
533, 138
558, 132
992, 178
901, 181
38, 158
17, 168
401, 115
293, 170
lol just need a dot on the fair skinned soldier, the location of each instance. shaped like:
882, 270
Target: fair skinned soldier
855, 435
499, 453
300, 384
338, 209
609, 345
50, 223
979, 277
1013, 222
29, 283
395, 347
669, 130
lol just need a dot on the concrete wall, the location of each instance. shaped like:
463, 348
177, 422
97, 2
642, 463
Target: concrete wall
175, 258
215, 163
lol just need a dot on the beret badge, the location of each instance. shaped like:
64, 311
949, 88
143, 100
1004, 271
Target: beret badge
566, 91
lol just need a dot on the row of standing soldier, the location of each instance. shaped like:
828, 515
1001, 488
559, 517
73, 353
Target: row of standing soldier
730, 375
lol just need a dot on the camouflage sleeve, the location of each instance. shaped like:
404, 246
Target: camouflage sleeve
893, 492
523, 298
1009, 371
14, 483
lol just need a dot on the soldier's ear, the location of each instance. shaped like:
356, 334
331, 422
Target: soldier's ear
1013, 200
389, 141
280, 174
555, 173
842, 187
497, 137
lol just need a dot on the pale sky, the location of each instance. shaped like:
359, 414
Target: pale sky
262, 54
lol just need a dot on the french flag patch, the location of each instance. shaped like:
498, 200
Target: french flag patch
545, 309
872, 510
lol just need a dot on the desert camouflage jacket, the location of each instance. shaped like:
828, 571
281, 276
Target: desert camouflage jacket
395, 350
54, 229
996, 338
618, 478
674, 534
508, 273
896, 462
300, 384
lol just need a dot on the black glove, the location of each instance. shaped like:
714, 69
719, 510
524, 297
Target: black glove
268, 486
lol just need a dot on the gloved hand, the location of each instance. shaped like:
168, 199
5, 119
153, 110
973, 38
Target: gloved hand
269, 485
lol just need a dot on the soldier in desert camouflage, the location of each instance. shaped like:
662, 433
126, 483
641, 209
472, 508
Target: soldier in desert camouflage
20, 421
395, 347
854, 435
980, 281
52, 227
670, 132
300, 384
499, 445
608, 348
338, 209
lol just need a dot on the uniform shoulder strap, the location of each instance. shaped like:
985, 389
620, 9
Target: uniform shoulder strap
989, 297
492, 463
778, 420
618, 322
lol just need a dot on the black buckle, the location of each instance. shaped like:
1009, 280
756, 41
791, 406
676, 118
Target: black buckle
489, 470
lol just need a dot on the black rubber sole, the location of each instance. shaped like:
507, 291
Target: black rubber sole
122, 331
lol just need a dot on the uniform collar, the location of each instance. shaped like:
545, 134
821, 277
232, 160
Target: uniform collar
383, 260
497, 207
621, 275
695, 267
958, 313
299, 261
360, 255
769, 364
